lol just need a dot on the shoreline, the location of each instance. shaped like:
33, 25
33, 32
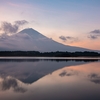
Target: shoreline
65, 58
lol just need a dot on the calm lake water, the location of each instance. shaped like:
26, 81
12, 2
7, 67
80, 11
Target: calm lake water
49, 79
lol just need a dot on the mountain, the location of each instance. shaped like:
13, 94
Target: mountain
29, 39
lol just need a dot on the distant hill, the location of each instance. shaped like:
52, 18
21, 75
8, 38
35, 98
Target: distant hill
31, 40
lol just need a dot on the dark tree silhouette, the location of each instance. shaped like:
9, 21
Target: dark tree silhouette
48, 54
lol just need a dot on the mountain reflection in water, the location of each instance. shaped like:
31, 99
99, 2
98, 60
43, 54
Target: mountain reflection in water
49, 79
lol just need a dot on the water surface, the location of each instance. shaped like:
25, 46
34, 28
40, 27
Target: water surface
49, 79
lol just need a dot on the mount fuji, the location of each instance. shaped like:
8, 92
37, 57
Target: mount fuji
31, 40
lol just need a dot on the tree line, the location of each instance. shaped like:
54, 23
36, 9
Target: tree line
48, 54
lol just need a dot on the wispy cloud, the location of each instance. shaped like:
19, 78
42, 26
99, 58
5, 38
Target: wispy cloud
9, 28
92, 37
95, 34
63, 38
68, 38
97, 31
13, 4
22, 22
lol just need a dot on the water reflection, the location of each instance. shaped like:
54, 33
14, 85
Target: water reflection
30, 70
49, 59
68, 73
9, 82
49, 80
94, 77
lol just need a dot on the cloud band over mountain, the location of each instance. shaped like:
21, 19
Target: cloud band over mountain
9, 28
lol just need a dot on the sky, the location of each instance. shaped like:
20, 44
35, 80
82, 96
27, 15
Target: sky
71, 22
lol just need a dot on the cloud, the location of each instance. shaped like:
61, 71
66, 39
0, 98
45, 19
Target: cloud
22, 22
68, 38
19, 41
9, 28
92, 37
97, 31
95, 34
63, 38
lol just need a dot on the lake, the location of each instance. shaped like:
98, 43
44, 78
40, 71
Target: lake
49, 78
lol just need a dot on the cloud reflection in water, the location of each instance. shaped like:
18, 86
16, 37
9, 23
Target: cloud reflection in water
69, 80
11, 83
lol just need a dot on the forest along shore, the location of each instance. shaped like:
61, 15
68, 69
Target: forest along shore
48, 54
